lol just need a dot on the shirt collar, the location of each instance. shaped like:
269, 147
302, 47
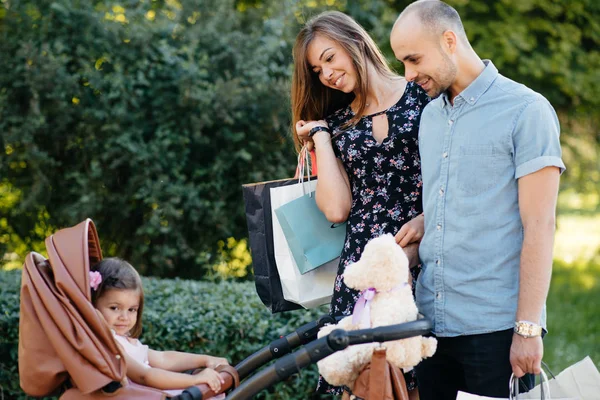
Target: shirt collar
477, 88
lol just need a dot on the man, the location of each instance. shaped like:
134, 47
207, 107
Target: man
491, 163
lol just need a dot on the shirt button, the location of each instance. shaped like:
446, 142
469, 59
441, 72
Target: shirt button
438, 295
442, 191
439, 227
472, 99
450, 122
445, 155
437, 262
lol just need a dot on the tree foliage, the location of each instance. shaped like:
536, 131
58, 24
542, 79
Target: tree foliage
147, 116
551, 46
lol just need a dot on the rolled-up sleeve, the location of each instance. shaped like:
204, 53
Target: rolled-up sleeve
536, 139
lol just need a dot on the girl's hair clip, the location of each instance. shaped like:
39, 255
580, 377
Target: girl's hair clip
95, 279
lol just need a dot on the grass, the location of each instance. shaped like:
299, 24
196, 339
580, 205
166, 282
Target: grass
573, 320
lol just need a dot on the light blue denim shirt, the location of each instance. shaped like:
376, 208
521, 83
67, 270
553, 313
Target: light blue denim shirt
472, 154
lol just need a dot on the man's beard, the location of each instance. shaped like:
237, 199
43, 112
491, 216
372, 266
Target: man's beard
445, 75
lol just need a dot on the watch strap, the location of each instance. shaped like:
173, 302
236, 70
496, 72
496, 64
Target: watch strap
318, 128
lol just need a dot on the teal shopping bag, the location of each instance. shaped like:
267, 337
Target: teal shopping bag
312, 239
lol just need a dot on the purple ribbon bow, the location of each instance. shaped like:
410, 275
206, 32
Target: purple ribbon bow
362, 310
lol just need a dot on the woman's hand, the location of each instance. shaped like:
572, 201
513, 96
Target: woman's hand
214, 362
211, 378
411, 232
304, 127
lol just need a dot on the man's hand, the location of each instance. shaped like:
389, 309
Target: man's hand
411, 232
526, 355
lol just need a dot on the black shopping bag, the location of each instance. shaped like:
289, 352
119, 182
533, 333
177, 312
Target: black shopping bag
257, 201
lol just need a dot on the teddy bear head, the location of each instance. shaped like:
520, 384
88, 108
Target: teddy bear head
382, 266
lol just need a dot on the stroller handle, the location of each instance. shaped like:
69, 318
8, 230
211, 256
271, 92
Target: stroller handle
317, 350
284, 345
342, 339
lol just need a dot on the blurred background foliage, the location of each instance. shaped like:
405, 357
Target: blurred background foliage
148, 115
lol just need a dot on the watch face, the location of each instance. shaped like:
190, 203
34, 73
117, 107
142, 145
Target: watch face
528, 330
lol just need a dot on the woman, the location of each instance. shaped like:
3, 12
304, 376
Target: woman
363, 121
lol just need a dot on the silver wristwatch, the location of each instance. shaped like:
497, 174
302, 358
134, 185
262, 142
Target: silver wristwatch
527, 329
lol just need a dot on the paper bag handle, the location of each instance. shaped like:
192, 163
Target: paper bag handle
513, 385
307, 161
303, 159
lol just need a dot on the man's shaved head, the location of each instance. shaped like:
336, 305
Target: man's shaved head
436, 17
429, 39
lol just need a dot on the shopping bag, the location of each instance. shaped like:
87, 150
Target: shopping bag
544, 392
259, 217
468, 396
312, 239
257, 202
315, 287
579, 381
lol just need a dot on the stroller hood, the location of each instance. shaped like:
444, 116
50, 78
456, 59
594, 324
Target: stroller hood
61, 336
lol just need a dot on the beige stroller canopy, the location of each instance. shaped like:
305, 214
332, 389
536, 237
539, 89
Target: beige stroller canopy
63, 342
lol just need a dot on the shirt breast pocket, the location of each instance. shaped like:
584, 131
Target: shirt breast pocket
477, 169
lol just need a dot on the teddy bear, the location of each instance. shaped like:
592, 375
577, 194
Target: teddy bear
381, 275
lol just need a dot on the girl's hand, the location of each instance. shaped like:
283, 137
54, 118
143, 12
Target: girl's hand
411, 232
214, 362
211, 378
304, 127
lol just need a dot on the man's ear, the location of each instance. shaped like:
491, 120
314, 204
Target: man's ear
449, 41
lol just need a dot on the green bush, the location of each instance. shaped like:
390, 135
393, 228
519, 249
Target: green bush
10, 285
226, 319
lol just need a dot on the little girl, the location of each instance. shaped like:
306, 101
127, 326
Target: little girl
117, 293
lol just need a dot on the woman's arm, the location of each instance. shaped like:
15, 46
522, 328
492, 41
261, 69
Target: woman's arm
178, 361
334, 196
163, 379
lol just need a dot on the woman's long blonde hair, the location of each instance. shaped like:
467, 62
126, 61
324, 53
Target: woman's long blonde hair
311, 100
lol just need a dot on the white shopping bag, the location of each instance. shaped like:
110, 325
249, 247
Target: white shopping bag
315, 287
469, 396
514, 395
579, 381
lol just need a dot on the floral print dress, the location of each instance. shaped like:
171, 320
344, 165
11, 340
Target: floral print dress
385, 180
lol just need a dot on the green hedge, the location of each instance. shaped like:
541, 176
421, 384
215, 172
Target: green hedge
224, 319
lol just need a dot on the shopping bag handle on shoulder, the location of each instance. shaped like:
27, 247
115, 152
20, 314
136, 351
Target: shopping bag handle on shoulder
544, 386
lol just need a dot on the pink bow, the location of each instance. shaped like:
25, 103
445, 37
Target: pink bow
362, 309
95, 279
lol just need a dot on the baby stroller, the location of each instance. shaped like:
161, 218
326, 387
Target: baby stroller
67, 350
